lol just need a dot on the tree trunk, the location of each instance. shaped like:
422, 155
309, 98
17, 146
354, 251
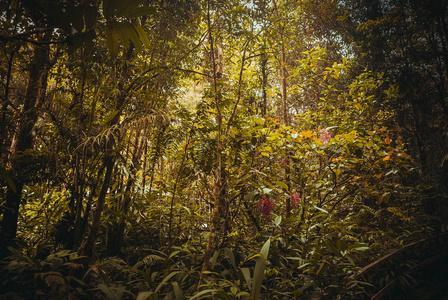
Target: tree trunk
109, 161
264, 83
23, 140
285, 114
220, 207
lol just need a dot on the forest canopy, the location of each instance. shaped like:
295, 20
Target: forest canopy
223, 149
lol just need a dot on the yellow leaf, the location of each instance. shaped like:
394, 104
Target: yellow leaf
379, 175
399, 143
383, 129
387, 140
386, 158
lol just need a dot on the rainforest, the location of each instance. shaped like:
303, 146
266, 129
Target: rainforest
223, 149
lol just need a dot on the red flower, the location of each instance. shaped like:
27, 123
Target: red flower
265, 206
295, 200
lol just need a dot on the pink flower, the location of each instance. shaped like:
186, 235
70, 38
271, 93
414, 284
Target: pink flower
295, 200
265, 206
325, 136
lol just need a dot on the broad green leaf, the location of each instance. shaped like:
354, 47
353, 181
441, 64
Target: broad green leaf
260, 266
177, 291
123, 7
141, 34
342, 246
332, 247
230, 255
147, 296
112, 40
165, 280
246, 275
282, 184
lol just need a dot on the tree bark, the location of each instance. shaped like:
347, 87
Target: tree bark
284, 75
23, 140
220, 207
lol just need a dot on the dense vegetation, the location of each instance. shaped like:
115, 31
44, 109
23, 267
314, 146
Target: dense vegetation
223, 149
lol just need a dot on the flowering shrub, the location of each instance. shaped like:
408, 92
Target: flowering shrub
325, 136
265, 206
295, 200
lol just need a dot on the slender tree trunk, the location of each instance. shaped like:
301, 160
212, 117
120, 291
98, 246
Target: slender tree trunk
284, 75
109, 161
264, 83
219, 201
5, 100
23, 140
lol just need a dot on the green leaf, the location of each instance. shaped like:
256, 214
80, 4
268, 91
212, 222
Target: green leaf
174, 253
267, 190
332, 247
147, 295
258, 278
259, 271
126, 33
209, 291
246, 275
123, 7
282, 184
165, 280
230, 255
142, 34
321, 209
342, 246
214, 259
277, 221
110, 117
112, 40
177, 291
251, 195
